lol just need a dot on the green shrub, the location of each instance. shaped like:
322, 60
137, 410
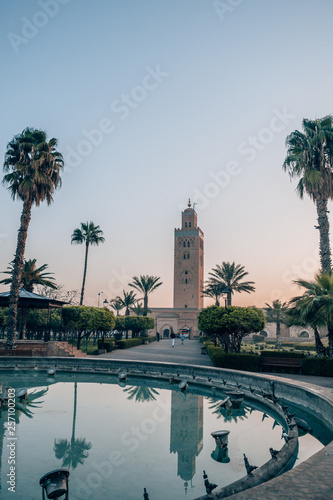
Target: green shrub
284, 354
126, 343
302, 347
318, 366
149, 339
108, 344
258, 338
220, 359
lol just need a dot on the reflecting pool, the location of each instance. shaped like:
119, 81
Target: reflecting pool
117, 439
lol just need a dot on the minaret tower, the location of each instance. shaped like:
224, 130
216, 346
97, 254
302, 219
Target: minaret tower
188, 266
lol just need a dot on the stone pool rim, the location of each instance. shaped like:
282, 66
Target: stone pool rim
316, 399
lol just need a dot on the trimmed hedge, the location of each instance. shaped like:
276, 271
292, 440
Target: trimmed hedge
148, 339
247, 362
318, 366
305, 347
108, 344
282, 354
258, 338
251, 362
126, 343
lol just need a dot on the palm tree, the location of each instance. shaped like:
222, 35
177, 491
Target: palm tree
31, 276
127, 301
310, 158
73, 452
214, 291
139, 310
146, 285
90, 235
297, 317
276, 313
228, 277
117, 305
33, 173
316, 303
141, 394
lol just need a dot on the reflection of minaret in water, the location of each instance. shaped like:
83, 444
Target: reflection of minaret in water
186, 435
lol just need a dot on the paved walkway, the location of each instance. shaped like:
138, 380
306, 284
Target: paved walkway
189, 353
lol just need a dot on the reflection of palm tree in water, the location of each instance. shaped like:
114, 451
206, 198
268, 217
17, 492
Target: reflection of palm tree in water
20, 407
73, 452
228, 414
141, 394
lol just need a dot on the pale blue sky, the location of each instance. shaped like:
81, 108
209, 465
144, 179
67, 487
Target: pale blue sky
222, 80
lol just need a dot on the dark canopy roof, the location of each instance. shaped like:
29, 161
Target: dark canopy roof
31, 300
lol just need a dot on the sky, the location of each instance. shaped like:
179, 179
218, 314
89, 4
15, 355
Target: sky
156, 101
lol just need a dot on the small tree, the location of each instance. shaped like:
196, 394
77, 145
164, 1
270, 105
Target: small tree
230, 325
276, 313
138, 324
87, 320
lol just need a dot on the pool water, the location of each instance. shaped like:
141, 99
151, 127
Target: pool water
117, 440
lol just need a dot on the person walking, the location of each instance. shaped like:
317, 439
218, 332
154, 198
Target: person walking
173, 336
182, 338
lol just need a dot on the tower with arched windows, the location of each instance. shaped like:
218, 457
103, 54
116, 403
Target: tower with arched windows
188, 262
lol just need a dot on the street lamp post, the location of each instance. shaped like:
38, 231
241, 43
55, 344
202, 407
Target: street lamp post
99, 295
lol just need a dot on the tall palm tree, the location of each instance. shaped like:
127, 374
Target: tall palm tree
73, 452
310, 158
316, 303
128, 300
117, 305
229, 277
89, 234
32, 165
146, 285
30, 277
276, 313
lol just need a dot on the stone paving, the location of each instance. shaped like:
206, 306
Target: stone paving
189, 353
311, 480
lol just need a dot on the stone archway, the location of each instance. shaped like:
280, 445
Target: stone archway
165, 331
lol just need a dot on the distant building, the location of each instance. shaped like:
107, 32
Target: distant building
188, 280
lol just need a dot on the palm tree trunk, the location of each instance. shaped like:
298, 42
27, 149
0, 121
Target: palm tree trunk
16, 275
278, 336
84, 274
74, 412
324, 235
25, 313
330, 340
145, 305
229, 298
320, 348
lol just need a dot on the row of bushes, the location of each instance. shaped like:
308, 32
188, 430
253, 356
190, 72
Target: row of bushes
126, 343
251, 362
